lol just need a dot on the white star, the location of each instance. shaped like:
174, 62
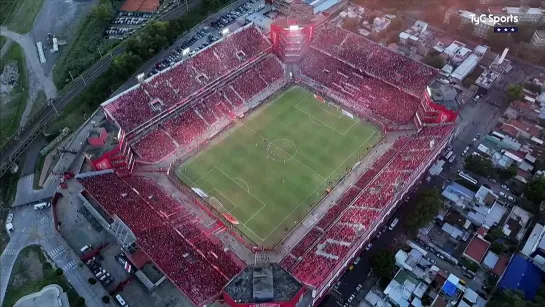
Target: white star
512, 29
505, 29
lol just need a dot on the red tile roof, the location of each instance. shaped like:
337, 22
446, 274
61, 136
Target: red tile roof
501, 265
512, 131
477, 248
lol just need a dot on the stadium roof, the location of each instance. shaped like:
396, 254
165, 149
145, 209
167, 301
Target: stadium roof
263, 283
522, 275
445, 95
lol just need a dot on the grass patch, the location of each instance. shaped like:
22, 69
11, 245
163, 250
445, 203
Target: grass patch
4, 238
83, 51
296, 145
38, 104
31, 273
3, 40
13, 106
8, 188
19, 15
37, 171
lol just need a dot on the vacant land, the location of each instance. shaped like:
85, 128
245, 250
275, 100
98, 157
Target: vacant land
31, 273
19, 15
275, 165
13, 90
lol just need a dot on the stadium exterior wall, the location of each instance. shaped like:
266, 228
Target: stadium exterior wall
433, 113
335, 274
291, 303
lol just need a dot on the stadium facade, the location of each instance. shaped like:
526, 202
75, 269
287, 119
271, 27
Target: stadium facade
181, 108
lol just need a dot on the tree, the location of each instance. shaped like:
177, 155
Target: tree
479, 165
532, 87
106, 299
434, 61
508, 298
525, 32
467, 29
59, 272
454, 22
494, 234
80, 301
351, 23
103, 12
383, 263
428, 202
535, 190
514, 92
507, 173
92, 281
396, 24
499, 42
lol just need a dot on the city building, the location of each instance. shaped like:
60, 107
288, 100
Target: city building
480, 30
538, 39
515, 225
476, 249
522, 275
525, 14
469, 64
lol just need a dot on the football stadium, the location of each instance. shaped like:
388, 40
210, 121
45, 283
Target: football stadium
255, 170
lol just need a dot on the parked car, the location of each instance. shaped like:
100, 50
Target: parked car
503, 186
501, 194
510, 198
468, 275
368, 247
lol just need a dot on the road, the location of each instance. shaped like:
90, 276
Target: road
36, 227
19, 142
38, 79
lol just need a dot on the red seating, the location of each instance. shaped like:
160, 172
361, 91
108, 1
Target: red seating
184, 80
393, 171
155, 146
373, 59
186, 127
306, 242
365, 92
149, 212
288, 261
131, 109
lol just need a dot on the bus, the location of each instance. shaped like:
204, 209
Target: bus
467, 177
40, 52
498, 135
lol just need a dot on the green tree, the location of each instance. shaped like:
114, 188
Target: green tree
434, 61
507, 173
454, 22
428, 203
535, 190
59, 272
525, 32
494, 234
92, 281
479, 165
514, 92
508, 298
106, 299
499, 42
351, 23
531, 86
383, 263
103, 12
467, 29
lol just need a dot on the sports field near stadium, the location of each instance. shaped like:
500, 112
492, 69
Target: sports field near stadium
276, 164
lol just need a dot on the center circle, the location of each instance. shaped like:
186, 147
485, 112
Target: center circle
281, 150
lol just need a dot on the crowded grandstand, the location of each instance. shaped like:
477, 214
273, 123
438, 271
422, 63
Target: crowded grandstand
166, 118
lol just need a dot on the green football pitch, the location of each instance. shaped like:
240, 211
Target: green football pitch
276, 164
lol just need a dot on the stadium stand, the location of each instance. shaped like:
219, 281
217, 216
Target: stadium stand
175, 86
149, 213
375, 60
154, 147
364, 90
365, 206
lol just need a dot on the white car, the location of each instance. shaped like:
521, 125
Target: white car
503, 186
502, 194
368, 247
9, 225
357, 260
510, 198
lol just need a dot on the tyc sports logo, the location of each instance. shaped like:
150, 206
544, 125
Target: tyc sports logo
494, 19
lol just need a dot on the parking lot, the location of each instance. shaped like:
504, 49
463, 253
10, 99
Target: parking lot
207, 34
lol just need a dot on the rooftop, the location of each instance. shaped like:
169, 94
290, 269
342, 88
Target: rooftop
487, 78
540, 34
476, 250
522, 275
263, 283
445, 95
466, 67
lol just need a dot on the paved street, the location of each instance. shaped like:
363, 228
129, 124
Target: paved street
36, 227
